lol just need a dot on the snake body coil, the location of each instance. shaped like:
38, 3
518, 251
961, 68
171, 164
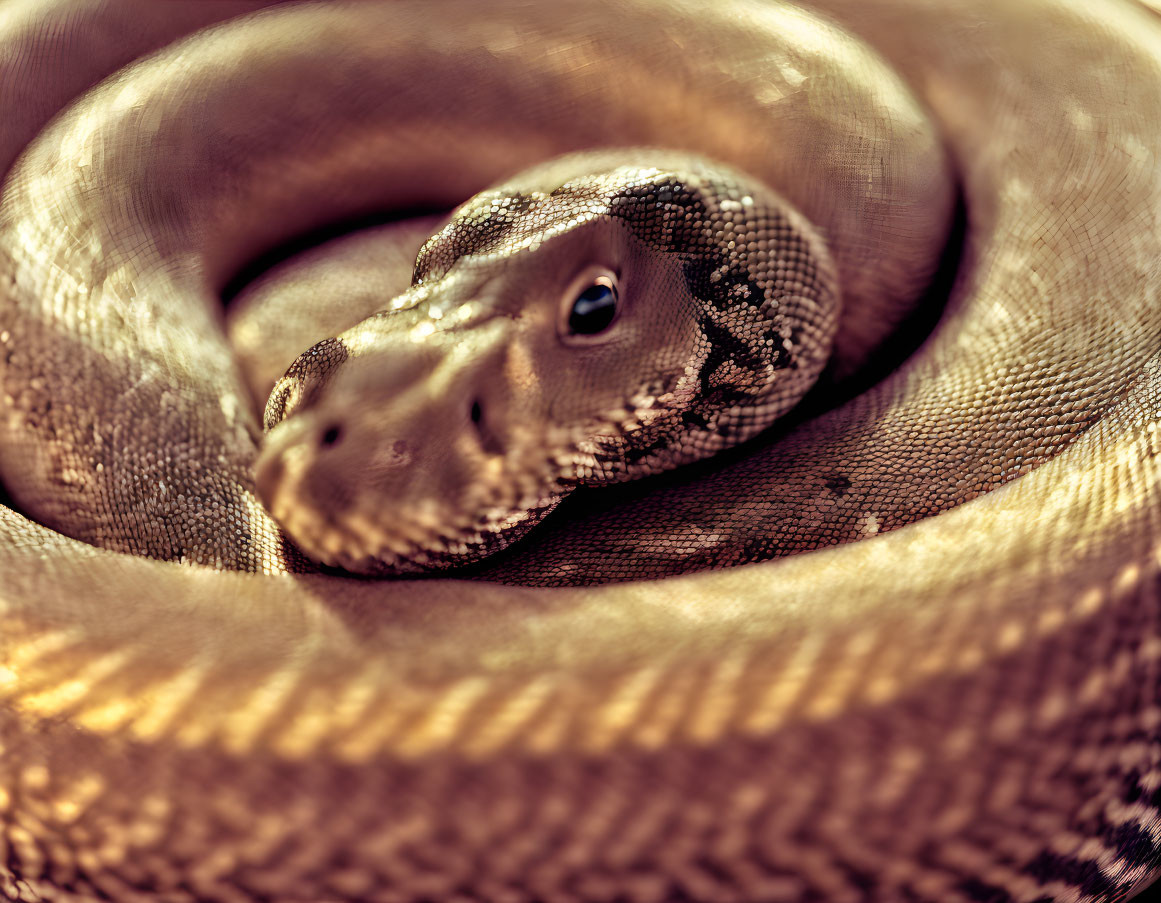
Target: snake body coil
964, 707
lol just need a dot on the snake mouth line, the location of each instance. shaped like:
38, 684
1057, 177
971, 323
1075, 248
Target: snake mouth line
380, 532
410, 546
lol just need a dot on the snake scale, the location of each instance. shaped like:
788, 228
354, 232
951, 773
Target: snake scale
951, 696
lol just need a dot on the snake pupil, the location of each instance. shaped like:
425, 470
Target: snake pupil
593, 310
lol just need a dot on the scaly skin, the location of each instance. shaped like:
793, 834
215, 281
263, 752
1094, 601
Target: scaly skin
962, 708
445, 426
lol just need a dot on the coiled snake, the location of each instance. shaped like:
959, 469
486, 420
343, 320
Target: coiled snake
961, 707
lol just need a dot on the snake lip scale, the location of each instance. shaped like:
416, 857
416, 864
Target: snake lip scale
908, 650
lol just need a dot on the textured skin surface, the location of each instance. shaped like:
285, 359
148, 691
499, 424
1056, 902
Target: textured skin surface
446, 425
964, 708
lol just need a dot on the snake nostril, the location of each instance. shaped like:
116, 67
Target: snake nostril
488, 438
331, 436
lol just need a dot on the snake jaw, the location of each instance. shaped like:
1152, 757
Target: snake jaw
392, 532
398, 525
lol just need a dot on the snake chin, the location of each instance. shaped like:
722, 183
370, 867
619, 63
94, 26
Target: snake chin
422, 540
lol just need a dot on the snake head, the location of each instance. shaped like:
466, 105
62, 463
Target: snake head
594, 322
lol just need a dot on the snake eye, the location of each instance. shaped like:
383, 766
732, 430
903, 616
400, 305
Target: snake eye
594, 308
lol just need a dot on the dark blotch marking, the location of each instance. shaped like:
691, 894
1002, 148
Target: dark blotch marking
733, 286
725, 347
723, 295
837, 484
694, 418
667, 216
1085, 875
1132, 842
977, 890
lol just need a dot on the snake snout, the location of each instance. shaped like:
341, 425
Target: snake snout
379, 455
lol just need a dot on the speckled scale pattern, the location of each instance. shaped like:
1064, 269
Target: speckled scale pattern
961, 706
727, 315
762, 288
322, 357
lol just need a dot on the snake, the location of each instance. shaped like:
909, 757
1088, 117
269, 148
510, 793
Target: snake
901, 643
